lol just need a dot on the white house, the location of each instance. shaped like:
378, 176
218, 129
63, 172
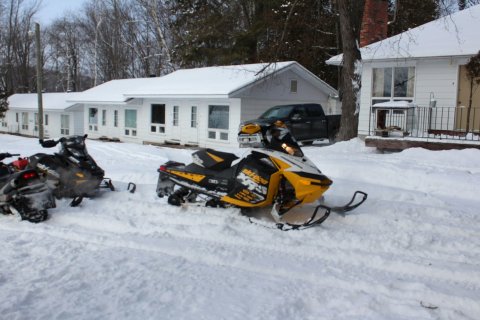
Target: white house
424, 66
202, 106
61, 118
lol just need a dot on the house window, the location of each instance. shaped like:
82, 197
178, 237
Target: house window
115, 118
157, 118
16, 117
46, 119
3, 122
65, 124
131, 123
393, 84
193, 118
218, 119
293, 86
35, 119
24, 120
104, 117
93, 119
175, 116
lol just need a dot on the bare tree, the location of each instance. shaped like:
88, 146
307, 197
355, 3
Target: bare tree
157, 17
65, 46
16, 72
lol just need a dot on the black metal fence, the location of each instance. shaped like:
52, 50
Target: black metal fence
427, 122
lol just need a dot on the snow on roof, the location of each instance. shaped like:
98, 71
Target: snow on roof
112, 91
50, 100
220, 80
452, 35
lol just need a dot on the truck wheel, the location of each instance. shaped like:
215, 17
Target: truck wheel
331, 138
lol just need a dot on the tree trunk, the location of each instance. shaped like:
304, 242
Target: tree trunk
349, 82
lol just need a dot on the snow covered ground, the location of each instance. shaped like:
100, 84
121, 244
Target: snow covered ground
412, 251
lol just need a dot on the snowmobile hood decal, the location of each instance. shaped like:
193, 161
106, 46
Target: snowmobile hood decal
214, 157
187, 175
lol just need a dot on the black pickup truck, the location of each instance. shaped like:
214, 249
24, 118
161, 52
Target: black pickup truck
307, 122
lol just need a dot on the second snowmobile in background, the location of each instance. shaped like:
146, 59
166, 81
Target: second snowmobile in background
24, 192
73, 172
277, 173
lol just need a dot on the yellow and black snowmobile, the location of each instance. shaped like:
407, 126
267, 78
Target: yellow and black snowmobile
274, 173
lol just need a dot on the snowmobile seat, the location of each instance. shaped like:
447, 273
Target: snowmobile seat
227, 173
213, 159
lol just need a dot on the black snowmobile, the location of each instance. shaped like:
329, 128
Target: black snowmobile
73, 172
276, 174
24, 192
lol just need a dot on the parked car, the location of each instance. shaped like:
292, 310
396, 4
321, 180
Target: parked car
307, 122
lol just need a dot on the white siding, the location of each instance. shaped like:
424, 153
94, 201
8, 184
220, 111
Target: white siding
243, 105
433, 77
276, 91
365, 100
78, 123
51, 130
439, 77
183, 133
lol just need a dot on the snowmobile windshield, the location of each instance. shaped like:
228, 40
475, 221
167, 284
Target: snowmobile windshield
280, 139
76, 147
277, 112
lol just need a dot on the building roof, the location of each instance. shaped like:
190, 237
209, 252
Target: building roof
220, 81
50, 101
452, 35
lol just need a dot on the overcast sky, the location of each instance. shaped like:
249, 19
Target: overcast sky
51, 9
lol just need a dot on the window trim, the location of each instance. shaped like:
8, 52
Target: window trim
392, 96
35, 121
293, 88
93, 121
175, 116
65, 130
193, 116
104, 117
157, 127
218, 132
24, 120
130, 131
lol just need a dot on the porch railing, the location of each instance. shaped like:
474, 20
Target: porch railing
427, 122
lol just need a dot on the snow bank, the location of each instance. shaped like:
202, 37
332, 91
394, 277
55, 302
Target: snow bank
412, 251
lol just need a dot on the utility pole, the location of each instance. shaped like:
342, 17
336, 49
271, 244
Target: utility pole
39, 80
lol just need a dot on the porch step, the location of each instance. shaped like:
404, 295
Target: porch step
396, 144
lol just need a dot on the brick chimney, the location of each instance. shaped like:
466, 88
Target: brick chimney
374, 22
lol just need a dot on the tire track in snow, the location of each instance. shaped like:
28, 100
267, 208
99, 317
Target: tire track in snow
236, 256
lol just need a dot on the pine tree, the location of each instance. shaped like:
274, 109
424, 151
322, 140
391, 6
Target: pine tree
407, 14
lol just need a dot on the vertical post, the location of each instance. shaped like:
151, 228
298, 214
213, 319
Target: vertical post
39, 80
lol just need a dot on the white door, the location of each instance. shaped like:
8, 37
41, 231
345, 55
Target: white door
174, 134
191, 133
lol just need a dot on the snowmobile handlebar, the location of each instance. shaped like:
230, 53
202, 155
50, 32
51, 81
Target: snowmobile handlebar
50, 143
8, 155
